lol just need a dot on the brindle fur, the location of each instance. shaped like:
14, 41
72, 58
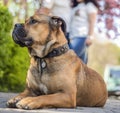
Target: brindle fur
66, 82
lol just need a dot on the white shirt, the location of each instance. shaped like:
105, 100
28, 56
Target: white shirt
79, 22
59, 8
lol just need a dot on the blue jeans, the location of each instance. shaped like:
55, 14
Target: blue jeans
79, 46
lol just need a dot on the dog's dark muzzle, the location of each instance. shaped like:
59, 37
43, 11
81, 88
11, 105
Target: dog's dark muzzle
20, 36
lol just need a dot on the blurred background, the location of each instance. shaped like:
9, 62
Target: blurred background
104, 54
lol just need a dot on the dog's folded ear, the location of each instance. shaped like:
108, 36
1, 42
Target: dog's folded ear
58, 22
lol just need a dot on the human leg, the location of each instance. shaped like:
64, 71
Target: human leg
79, 46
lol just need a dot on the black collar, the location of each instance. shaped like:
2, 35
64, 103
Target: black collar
58, 51
41, 63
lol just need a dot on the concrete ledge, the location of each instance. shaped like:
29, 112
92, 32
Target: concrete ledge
112, 106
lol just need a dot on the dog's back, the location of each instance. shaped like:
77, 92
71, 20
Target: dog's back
91, 88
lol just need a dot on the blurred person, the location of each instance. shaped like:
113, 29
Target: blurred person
82, 27
74, 3
60, 8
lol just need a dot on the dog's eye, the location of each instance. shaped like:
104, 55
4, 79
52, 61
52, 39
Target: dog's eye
33, 21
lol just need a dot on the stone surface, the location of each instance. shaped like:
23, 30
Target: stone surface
111, 106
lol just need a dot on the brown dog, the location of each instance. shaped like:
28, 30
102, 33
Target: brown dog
56, 76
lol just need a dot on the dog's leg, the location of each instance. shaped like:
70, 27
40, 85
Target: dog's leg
12, 102
58, 100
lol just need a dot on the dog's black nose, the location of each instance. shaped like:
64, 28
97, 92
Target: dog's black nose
19, 25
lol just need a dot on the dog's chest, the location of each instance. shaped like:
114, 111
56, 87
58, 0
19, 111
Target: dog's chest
43, 76
40, 82
35, 82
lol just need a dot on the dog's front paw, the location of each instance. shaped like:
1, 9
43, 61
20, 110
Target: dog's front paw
12, 102
28, 103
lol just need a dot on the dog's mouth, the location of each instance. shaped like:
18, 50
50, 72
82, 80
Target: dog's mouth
19, 36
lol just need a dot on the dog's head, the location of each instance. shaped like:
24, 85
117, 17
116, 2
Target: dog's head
40, 33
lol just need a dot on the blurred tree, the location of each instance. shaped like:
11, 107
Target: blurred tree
12, 73
21, 9
5, 2
109, 18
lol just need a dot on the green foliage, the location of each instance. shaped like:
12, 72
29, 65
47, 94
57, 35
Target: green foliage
13, 59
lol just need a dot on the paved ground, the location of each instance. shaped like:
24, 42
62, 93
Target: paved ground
112, 106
